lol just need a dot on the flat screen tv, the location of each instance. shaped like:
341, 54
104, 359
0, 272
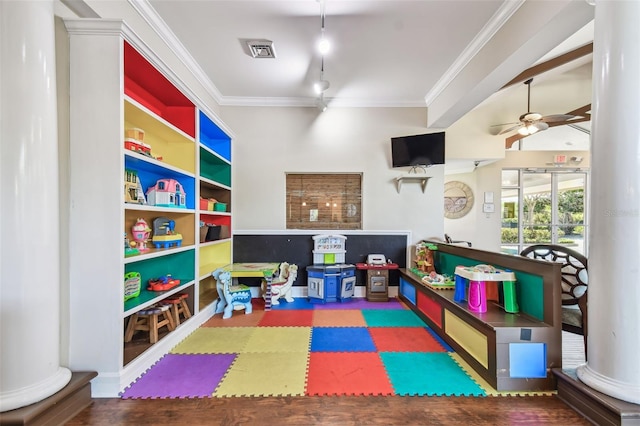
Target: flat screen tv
417, 150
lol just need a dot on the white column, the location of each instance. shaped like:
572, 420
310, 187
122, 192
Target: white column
614, 250
29, 228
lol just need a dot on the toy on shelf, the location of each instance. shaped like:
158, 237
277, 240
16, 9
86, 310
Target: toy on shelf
141, 233
167, 193
128, 250
163, 283
231, 297
471, 285
164, 235
281, 286
424, 258
438, 281
133, 192
131, 285
134, 141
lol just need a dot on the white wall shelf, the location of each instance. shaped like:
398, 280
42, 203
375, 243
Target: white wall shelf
419, 179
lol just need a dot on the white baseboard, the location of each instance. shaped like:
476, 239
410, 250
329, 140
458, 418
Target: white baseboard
301, 291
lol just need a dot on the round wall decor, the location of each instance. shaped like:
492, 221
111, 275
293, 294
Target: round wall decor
458, 199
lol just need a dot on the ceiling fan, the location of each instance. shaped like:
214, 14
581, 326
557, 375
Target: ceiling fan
533, 122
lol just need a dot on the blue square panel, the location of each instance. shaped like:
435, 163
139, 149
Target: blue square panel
527, 360
408, 290
341, 339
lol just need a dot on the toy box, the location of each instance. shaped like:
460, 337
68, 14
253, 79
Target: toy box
220, 207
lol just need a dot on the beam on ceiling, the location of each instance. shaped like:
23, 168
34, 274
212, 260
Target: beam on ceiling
530, 33
551, 64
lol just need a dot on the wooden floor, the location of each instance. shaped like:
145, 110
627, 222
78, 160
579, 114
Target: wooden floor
331, 410
351, 410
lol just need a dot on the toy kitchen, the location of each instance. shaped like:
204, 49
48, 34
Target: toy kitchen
377, 268
329, 279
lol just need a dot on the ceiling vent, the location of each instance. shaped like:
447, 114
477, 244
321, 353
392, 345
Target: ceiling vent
262, 48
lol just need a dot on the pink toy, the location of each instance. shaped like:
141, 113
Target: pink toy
141, 233
167, 193
477, 296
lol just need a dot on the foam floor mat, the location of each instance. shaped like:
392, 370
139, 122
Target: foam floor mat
301, 348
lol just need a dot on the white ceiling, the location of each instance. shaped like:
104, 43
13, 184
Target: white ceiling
447, 55
384, 52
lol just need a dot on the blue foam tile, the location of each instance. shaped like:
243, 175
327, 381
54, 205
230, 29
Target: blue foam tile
341, 339
298, 303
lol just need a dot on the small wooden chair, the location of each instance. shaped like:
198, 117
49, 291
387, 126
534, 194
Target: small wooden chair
178, 306
149, 320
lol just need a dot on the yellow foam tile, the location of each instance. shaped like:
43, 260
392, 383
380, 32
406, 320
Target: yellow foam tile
215, 340
279, 339
486, 387
265, 374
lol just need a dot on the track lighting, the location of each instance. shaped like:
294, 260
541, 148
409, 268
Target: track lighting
321, 86
323, 46
321, 104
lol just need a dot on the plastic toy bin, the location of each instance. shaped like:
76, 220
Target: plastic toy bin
220, 207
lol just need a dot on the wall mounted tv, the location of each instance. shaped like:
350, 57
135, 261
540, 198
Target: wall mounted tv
417, 150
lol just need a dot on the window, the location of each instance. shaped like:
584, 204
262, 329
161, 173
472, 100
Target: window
324, 201
544, 207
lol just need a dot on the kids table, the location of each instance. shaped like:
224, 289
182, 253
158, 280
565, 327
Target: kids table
476, 291
264, 270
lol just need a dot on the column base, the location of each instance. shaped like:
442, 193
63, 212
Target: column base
56, 409
597, 407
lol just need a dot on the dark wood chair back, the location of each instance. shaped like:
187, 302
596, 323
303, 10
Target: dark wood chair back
575, 281
450, 240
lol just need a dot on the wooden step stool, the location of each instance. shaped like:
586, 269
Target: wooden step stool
179, 306
151, 320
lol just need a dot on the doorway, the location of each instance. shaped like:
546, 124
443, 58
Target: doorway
544, 207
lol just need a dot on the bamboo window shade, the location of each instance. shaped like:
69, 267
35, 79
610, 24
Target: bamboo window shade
324, 201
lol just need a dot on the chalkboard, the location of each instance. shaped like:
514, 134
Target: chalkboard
298, 249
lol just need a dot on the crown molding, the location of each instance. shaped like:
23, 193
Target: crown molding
502, 15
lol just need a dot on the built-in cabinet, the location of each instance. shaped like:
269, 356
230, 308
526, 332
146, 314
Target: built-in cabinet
511, 351
118, 86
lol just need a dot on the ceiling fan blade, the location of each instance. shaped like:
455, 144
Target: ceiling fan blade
510, 129
504, 124
541, 125
557, 117
575, 120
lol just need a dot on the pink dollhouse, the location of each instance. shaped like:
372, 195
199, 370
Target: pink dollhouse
167, 193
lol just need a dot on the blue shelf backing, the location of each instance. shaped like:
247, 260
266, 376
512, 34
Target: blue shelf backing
214, 138
149, 174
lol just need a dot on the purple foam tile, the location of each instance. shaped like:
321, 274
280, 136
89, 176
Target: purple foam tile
361, 303
181, 376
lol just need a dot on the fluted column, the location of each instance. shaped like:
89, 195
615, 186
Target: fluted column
614, 250
29, 233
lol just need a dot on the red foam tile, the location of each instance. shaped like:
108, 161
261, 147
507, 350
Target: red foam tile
287, 318
404, 339
347, 373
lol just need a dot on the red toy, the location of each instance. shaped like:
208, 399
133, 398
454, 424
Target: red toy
163, 283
